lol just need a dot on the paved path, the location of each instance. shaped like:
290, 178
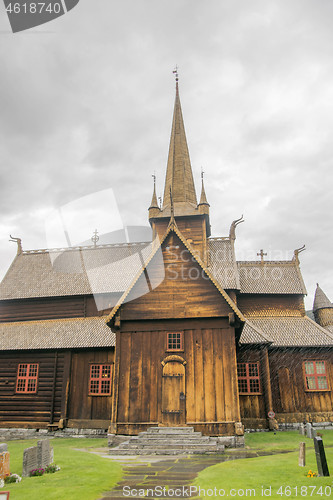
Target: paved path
156, 473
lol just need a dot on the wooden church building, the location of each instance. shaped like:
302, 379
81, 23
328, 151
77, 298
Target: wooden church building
173, 332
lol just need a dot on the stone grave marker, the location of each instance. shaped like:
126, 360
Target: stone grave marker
301, 458
308, 428
37, 456
321, 457
302, 429
30, 461
44, 455
4, 464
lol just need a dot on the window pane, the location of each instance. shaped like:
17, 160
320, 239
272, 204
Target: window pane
22, 370
311, 382
309, 367
242, 385
322, 383
174, 341
241, 369
253, 370
320, 366
254, 385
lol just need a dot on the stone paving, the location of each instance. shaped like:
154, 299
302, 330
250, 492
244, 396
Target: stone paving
154, 474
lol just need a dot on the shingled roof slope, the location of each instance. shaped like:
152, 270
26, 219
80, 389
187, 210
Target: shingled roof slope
282, 277
78, 271
294, 332
253, 335
56, 334
222, 262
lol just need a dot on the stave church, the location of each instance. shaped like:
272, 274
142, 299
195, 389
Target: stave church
169, 332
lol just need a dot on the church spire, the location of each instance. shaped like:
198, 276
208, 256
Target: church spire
203, 198
154, 208
179, 175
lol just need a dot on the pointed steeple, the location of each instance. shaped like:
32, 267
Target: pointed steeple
154, 209
179, 175
323, 309
321, 300
203, 198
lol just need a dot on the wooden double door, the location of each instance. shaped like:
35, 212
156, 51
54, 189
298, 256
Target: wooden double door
173, 392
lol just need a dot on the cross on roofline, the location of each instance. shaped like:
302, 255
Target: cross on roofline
95, 237
261, 254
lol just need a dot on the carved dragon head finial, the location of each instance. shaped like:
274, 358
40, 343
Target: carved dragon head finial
234, 224
19, 244
297, 252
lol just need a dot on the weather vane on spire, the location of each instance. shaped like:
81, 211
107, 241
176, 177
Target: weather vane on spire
154, 177
202, 173
175, 72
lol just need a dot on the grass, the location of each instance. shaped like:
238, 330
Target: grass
274, 471
83, 476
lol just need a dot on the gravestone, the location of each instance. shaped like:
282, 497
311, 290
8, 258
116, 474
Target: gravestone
37, 456
301, 458
44, 453
321, 457
30, 461
308, 428
302, 429
4, 464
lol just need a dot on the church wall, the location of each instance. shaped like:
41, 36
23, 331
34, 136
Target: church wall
252, 407
86, 411
48, 308
211, 403
192, 228
293, 402
35, 409
271, 305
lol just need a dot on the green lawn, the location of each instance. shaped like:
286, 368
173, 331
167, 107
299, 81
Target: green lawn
253, 474
83, 476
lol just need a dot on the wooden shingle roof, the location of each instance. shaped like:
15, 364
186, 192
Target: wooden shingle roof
274, 277
293, 332
56, 334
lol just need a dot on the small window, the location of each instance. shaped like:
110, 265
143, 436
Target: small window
315, 375
27, 377
175, 341
100, 380
248, 378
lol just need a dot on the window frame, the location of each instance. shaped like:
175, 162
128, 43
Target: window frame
315, 375
100, 379
248, 378
26, 378
170, 349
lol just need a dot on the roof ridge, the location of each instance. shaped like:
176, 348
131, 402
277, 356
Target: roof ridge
291, 262
83, 247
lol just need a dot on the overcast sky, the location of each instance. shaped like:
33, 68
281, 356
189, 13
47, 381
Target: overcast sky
87, 102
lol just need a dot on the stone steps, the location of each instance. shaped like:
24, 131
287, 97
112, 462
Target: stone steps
168, 441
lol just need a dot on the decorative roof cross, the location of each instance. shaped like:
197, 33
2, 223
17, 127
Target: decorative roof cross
261, 253
95, 238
